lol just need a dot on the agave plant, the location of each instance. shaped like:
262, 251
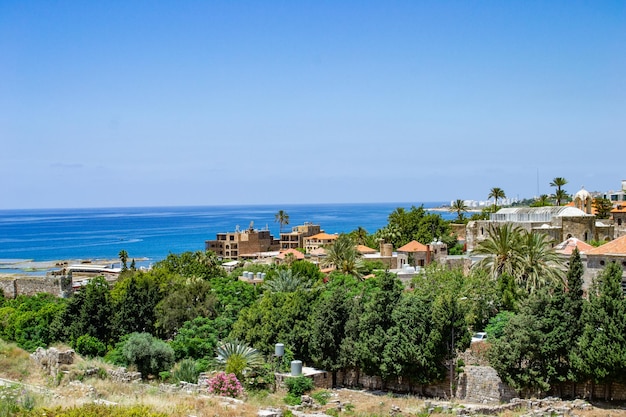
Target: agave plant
238, 358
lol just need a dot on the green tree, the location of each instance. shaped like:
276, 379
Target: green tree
286, 281
603, 207
600, 354
123, 255
559, 194
199, 264
542, 201
542, 266
328, 330
414, 350
135, 297
282, 218
199, 337
149, 354
360, 235
502, 251
459, 208
186, 301
88, 312
343, 255
497, 194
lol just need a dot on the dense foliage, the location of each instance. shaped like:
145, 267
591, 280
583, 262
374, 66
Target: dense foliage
186, 310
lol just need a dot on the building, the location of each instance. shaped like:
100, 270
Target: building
559, 223
598, 258
241, 244
318, 241
295, 238
617, 197
418, 254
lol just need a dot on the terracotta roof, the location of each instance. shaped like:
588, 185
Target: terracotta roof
567, 247
296, 253
619, 209
322, 236
413, 246
614, 247
365, 249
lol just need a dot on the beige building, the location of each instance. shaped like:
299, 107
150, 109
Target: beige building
418, 254
247, 243
311, 243
295, 238
598, 258
560, 223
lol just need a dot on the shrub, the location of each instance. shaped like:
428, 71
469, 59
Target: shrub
225, 385
186, 370
299, 385
149, 354
90, 346
321, 397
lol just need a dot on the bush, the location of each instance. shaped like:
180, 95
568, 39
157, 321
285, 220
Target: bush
321, 397
225, 385
299, 385
149, 354
90, 346
186, 370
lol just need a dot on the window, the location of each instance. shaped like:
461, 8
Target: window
602, 263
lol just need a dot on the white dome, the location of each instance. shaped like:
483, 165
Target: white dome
582, 194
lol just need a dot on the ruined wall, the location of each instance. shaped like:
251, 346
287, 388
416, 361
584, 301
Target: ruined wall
481, 384
57, 285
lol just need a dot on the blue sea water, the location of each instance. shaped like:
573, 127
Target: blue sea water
154, 232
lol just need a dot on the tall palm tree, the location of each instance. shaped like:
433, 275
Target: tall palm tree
497, 194
525, 256
360, 235
542, 266
560, 194
123, 255
502, 249
343, 255
282, 218
459, 208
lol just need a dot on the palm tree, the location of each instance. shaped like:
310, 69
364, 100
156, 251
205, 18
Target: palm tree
342, 254
560, 194
282, 218
542, 266
502, 249
360, 235
123, 255
496, 193
286, 281
459, 208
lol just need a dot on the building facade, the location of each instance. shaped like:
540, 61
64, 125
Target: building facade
237, 244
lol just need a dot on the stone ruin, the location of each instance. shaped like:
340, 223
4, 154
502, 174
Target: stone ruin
52, 359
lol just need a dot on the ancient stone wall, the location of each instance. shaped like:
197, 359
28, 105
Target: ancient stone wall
57, 285
52, 359
481, 384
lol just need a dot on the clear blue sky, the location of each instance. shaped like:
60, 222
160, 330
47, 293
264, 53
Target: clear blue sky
143, 103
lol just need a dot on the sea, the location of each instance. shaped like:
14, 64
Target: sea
151, 233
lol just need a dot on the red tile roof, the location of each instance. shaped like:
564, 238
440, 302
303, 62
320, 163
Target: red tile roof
322, 236
296, 253
413, 246
567, 247
614, 247
365, 249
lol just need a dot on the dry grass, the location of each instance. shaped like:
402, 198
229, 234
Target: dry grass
75, 390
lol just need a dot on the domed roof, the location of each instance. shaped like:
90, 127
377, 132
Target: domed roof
582, 194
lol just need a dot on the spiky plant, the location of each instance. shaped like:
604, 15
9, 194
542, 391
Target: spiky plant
238, 358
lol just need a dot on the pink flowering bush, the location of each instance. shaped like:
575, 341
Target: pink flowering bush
225, 385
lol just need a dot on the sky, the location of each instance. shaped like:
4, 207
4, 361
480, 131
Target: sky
175, 103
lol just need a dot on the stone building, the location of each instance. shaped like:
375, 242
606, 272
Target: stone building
295, 238
418, 254
598, 258
233, 245
560, 223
